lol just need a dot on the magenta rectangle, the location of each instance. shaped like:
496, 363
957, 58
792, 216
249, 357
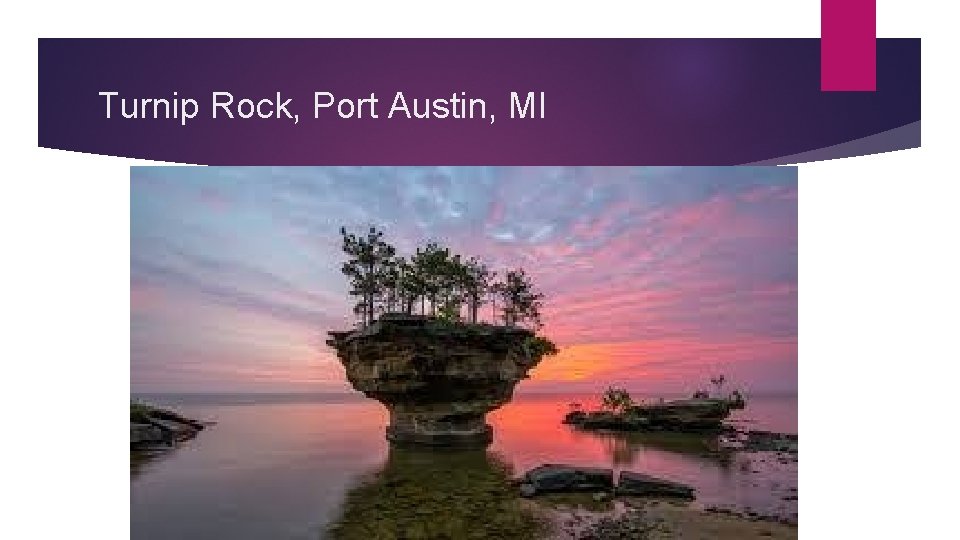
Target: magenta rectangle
848, 45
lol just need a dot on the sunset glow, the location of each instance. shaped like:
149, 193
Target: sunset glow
655, 278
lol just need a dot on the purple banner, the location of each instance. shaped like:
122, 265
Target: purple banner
584, 101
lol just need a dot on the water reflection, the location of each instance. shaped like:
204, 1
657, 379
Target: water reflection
142, 461
625, 448
431, 494
287, 470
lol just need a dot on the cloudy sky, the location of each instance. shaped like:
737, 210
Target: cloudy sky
655, 278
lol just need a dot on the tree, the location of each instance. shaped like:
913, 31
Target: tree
616, 400
384, 282
369, 266
451, 270
409, 285
476, 281
521, 302
718, 382
430, 264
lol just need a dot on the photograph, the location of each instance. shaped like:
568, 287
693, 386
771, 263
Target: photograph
380, 353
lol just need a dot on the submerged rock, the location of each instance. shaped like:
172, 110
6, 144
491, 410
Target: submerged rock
438, 379
552, 478
769, 441
631, 483
425, 494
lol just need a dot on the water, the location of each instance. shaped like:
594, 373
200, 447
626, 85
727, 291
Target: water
282, 466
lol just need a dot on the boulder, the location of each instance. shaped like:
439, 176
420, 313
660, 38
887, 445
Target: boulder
553, 478
631, 483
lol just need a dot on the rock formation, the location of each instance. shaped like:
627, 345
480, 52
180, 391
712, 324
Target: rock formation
684, 415
152, 427
438, 379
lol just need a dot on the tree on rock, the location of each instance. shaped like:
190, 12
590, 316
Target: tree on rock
442, 283
369, 267
521, 302
476, 281
617, 400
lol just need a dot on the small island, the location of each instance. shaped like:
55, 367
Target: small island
420, 346
701, 413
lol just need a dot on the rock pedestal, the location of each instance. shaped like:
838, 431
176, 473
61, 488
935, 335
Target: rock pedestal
438, 379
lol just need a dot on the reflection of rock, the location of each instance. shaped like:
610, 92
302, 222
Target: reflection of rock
624, 447
631, 483
450, 494
566, 478
438, 379
154, 431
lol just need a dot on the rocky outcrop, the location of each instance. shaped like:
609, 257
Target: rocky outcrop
438, 379
145, 434
152, 428
685, 415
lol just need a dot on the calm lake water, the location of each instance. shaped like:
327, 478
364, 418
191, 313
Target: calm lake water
280, 467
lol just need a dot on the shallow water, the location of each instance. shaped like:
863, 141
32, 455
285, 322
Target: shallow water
283, 466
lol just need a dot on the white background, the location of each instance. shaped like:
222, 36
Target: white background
878, 265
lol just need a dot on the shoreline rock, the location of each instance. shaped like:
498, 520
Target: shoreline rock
553, 478
153, 428
557, 478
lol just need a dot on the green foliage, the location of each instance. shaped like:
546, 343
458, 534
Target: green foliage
449, 311
369, 267
439, 282
617, 400
476, 280
539, 346
139, 412
521, 301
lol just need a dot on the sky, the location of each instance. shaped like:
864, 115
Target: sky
655, 278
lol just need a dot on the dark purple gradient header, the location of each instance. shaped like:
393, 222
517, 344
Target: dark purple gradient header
608, 101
